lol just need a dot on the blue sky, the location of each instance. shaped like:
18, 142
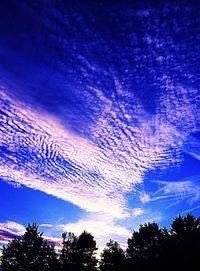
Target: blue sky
99, 116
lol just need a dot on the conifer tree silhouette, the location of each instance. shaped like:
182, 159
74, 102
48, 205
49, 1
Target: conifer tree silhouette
78, 253
112, 257
30, 253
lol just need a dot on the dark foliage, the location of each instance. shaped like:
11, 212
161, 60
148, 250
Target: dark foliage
30, 253
112, 258
162, 249
144, 246
78, 253
149, 248
186, 241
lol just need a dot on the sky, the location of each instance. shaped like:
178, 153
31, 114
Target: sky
99, 116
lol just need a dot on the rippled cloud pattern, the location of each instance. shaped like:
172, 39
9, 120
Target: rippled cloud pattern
94, 96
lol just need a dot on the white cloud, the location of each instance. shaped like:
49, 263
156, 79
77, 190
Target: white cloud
187, 189
46, 225
10, 229
103, 227
191, 210
13, 227
137, 211
144, 197
126, 142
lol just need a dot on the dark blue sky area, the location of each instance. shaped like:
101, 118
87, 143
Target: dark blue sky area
26, 205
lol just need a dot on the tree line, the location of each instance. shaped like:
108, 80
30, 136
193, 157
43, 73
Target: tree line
148, 248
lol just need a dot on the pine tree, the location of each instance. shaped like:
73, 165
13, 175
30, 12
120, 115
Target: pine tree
78, 253
30, 253
112, 257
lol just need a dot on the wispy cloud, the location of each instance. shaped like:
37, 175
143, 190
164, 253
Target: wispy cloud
187, 189
191, 210
11, 229
137, 211
46, 225
126, 142
103, 227
120, 139
144, 197
192, 147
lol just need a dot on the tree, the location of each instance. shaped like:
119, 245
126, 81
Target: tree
68, 252
112, 257
145, 243
78, 254
29, 253
86, 246
186, 240
144, 246
182, 225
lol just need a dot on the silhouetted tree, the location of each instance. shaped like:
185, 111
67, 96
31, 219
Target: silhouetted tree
186, 240
182, 225
68, 252
78, 254
86, 246
144, 246
112, 257
148, 248
30, 253
180, 247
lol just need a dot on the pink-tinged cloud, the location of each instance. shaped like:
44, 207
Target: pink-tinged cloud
95, 174
11, 229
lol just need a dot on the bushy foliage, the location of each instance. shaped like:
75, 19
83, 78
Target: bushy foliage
78, 253
30, 253
112, 257
151, 247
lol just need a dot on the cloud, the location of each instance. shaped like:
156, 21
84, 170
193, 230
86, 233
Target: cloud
99, 225
114, 122
178, 108
55, 161
46, 225
104, 138
192, 147
103, 227
144, 197
187, 189
11, 229
6, 236
125, 142
54, 241
191, 210
137, 211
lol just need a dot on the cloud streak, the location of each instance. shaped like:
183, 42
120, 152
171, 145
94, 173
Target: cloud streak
85, 119
11, 229
39, 152
187, 189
